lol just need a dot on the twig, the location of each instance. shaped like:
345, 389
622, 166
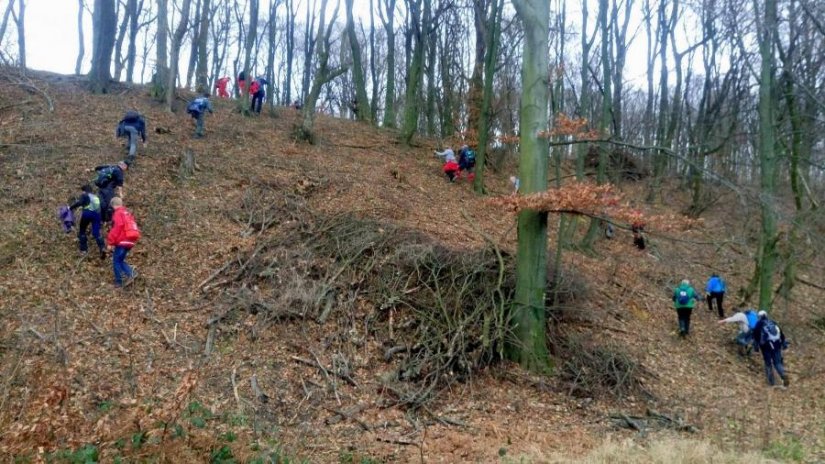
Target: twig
235, 389
397, 441
214, 274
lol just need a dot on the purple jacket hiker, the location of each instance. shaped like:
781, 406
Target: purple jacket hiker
64, 214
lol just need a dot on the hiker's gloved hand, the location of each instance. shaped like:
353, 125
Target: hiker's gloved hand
785, 345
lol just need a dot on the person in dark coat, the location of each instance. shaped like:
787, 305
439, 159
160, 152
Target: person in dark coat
132, 125
770, 340
109, 181
90, 216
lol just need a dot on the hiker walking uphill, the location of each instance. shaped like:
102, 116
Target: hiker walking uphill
467, 161
450, 167
715, 291
89, 217
684, 299
108, 181
770, 340
258, 91
197, 109
131, 126
746, 321
121, 239
220, 86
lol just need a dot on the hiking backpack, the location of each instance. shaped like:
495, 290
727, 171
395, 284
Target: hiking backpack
682, 297
194, 108
770, 332
130, 229
753, 318
470, 157
104, 176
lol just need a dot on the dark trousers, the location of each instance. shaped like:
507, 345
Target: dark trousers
718, 296
106, 194
258, 100
86, 219
773, 360
684, 320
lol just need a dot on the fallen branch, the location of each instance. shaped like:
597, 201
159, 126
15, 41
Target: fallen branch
348, 414
324, 370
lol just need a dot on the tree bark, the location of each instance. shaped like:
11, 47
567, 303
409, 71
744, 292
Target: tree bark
361, 101
389, 98
415, 71
81, 44
767, 154
133, 9
492, 37
161, 76
202, 71
529, 347
177, 41
104, 29
20, 22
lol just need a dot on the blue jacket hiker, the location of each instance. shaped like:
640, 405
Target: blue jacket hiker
90, 216
684, 299
770, 340
131, 126
197, 109
715, 290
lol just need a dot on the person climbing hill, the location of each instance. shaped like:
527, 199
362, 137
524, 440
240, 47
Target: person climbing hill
89, 217
467, 161
684, 299
121, 239
450, 166
258, 91
197, 108
132, 125
770, 340
220, 86
109, 180
715, 291
747, 322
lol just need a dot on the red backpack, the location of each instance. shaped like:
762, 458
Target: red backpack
131, 232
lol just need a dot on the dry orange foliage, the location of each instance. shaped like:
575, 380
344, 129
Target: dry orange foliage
589, 199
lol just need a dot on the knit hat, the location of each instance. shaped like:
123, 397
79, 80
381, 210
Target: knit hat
762, 314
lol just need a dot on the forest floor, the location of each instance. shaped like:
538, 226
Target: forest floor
142, 374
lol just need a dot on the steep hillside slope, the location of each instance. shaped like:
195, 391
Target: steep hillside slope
172, 368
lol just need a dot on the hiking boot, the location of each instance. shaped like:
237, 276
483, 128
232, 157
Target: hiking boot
83, 254
102, 254
785, 382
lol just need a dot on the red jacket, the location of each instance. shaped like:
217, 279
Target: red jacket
450, 166
117, 235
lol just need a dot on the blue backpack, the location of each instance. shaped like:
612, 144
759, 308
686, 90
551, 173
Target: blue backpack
470, 157
770, 332
682, 297
753, 318
195, 107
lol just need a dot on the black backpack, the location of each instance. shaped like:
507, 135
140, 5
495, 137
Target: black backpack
104, 176
770, 332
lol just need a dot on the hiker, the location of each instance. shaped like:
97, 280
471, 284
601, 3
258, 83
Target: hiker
715, 290
66, 218
297, 105
450, 168
638, 228
90, 216
771, 341
121, 239
221, 85
747, 322
684, 299
109, 182
258, 92
130, 126
467, 161
197, 109
241, 82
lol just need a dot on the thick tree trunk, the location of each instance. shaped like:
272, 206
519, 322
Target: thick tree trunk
361, 101
161, 76
105, 26
133, 9
767, 155
193, 45
290, 50
202, 71
389, 98
415, 71
119, 61
81, 40
529, 347
177, 41
492, 38
249, 45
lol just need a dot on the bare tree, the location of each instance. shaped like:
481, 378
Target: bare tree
20, 22
161, 75
323, 74
362, 105
177, 41
103, 43
81, 41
